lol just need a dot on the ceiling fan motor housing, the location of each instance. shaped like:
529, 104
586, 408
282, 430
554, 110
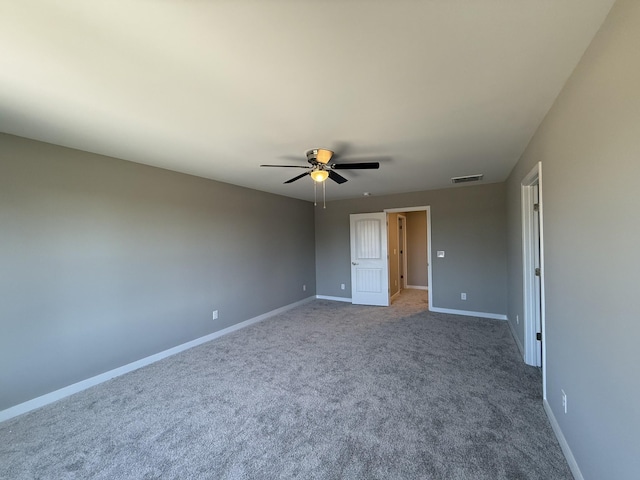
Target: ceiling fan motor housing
319, 155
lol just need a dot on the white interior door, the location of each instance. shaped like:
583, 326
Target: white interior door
532, 270
369, 263
537, 273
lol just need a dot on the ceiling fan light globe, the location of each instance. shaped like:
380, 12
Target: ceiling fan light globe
319, 175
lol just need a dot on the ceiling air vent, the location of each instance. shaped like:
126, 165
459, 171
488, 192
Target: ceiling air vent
467, 178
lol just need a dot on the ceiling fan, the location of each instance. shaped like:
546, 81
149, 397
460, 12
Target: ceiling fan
321, 167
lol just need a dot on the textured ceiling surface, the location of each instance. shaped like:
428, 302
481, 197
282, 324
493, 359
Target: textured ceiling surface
432, 89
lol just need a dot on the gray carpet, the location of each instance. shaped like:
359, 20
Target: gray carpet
326, 391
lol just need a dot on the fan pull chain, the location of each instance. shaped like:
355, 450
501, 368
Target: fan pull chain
324, 195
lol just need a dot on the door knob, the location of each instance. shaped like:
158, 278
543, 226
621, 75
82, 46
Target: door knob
354, 263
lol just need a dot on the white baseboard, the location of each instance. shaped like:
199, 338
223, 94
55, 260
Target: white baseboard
130, 367
335, 299
515, 338
568, 454
495, 316
417, 287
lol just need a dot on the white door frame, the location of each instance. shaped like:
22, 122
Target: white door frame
427, 210
402, 282
530, 300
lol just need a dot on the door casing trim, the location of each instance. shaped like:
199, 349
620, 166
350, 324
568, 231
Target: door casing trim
427, 210
534, 177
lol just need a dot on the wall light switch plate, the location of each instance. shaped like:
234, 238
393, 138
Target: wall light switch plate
440, 253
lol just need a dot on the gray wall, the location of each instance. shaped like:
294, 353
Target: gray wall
468, 222
589, 145
105, 262
417, 265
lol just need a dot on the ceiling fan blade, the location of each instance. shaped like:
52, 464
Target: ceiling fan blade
298, 177
286, 166
356, 166
336, 177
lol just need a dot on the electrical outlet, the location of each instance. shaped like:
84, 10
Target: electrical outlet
215, 314
342, 287
304, 288
564, 401
463, 296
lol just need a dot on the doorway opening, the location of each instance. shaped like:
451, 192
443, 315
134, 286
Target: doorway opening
373, 272
402, 253
409, 250
533, 270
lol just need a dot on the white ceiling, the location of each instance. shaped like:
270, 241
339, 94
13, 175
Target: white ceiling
437, 88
